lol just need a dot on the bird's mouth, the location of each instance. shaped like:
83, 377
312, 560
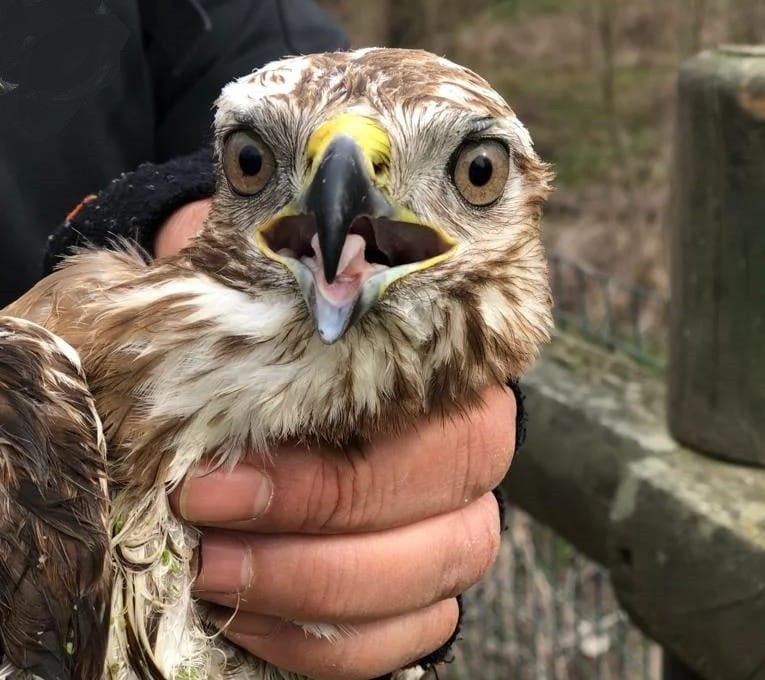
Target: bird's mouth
387, 242
342, 237
376, 252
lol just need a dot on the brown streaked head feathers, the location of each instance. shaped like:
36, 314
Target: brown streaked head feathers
484, 311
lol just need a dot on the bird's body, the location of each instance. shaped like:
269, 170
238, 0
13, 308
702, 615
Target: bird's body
256, 333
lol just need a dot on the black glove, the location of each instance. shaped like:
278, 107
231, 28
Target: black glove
133, 206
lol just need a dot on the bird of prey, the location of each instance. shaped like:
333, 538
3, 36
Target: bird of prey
372, 254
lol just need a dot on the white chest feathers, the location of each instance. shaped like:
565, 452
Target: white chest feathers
245, 370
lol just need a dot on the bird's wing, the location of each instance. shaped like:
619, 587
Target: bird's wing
55, 584
60, 301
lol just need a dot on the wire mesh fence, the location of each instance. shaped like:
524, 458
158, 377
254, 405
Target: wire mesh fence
548, 613
617, 314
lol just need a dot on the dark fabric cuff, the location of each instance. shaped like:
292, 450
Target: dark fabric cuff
133, 206
521, 418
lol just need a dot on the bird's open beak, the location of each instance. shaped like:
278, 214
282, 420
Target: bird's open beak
343, 238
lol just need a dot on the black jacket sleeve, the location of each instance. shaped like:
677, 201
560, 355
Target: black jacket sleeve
190, 49
194, 47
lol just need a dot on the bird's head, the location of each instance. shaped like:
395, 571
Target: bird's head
380, 182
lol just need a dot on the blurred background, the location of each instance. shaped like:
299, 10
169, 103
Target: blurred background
595, 83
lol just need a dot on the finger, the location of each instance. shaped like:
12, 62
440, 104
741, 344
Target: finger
353, 577
184, 223
434, 468
372, 649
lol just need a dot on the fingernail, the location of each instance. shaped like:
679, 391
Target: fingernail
225, 564
243, 493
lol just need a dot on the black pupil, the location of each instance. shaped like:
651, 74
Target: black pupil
250, 160
480, 171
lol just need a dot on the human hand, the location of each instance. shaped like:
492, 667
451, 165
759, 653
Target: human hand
380, 539
181, 226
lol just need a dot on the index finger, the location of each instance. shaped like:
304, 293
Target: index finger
438, 466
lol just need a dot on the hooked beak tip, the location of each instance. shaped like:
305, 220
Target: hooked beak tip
331, 320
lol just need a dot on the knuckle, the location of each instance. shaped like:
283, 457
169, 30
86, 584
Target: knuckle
340, 661
474, 548
338, 668
311, 515
488, 535
348, 497
448, 614
324, 595
326, 504
496, 440
501, 417
433, 629
492, 542
490, 444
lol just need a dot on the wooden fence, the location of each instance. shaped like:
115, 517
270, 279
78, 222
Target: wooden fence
661, 478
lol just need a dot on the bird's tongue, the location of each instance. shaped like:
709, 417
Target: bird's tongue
333, 303
352, 271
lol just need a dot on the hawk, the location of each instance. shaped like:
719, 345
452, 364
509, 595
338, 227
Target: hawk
372, 254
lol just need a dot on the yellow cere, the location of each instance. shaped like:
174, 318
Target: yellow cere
371, 137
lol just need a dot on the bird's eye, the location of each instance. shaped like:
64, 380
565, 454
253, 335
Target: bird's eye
480, 171
247, 162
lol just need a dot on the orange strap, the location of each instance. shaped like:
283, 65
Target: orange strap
75, 211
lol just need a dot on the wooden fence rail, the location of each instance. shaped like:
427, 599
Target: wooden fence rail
665, 483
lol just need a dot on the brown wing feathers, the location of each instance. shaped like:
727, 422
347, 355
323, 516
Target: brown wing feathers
54, 569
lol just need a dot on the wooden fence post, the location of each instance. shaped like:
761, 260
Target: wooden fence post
717, 332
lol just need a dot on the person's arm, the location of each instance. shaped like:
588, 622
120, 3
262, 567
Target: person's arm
194, 47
